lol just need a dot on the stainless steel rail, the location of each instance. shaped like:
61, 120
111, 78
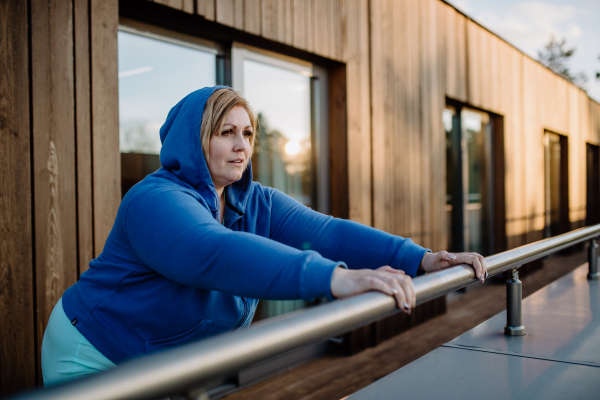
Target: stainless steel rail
182, 369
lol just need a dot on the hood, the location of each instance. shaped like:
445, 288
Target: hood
182, 154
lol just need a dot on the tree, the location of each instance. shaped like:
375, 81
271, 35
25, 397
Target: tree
556, 56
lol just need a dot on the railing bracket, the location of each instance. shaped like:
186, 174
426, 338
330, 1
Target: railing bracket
514, 293
593, 274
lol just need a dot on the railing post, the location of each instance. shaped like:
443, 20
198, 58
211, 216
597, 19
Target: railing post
593, 260
514, 293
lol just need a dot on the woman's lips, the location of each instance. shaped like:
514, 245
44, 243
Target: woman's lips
238, 162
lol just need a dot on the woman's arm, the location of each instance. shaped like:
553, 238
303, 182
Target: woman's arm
357, 245
177, 237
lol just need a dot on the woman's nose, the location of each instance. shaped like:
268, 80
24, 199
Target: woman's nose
240, 143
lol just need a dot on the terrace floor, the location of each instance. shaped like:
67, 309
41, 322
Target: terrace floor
335, 377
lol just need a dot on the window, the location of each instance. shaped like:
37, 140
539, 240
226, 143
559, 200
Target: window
473, 153
279, 91
556, 191
155, 72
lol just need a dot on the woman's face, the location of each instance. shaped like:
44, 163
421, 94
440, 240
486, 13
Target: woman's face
229, 150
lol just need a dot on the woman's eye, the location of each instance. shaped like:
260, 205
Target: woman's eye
248, 133
227, 132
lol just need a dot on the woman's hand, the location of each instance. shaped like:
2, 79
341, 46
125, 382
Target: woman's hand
348, 282
437, 261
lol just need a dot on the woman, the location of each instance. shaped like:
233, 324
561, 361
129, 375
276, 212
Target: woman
196, 243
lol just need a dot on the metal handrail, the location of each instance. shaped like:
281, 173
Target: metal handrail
182, 369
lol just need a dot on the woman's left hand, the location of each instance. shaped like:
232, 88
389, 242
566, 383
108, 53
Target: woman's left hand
442, 259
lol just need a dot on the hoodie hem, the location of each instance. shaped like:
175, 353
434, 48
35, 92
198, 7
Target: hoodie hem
93, 330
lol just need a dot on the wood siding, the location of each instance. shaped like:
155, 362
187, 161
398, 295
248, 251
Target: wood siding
400, 60
58, 114
17, 278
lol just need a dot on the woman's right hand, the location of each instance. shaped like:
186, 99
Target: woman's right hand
348, 282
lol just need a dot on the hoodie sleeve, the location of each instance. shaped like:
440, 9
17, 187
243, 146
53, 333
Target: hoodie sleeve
357, 245
175, 235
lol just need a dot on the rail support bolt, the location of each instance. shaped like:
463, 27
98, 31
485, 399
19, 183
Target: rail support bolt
593, 261
514, 293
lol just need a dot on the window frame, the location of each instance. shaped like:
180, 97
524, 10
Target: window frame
169, 36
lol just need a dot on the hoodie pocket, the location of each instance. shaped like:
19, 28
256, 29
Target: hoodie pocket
204, 329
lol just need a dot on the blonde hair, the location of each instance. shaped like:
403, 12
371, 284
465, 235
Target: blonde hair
217, 107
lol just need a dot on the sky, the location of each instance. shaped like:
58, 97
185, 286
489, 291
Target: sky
528, 25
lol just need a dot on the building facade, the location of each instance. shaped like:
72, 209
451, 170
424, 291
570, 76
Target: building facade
414, 119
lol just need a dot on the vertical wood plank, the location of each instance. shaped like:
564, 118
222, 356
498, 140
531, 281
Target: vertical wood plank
414, 118
359, 113
514, 159
438, 157
269, 19
321, 28
85, 223
577, 134
427, 67
310, 25
390, 189
188, 6
461, 57
520, 151
343, 26
474, 63
225, 12
574, 129
178, 4
206, 8
397, 127
494, 75
288, 22
17, 336
450, 49
484, 68
536, 158
455, 52
377, 78
238, 9
595, 138
105, 118
528, 132
252, 20
534, 166
54, 155
334, 29
299, 23
577, 183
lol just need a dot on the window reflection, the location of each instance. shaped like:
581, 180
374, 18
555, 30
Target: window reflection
472, 129
153, 76
282, 157
552, 184
474, 132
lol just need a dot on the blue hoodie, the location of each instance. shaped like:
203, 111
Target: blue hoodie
170, 273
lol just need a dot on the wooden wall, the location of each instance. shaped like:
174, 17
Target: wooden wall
17, 285
60, 182
59, 186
